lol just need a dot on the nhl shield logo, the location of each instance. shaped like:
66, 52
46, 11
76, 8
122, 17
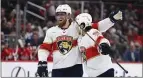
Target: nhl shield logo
64, 44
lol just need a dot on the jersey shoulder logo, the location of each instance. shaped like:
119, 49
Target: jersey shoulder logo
64, 44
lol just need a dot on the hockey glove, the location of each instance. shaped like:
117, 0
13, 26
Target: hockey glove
105, 48
42, 69
116, 15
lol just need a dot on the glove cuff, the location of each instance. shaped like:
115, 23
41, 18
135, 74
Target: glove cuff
112, 19
42, 63
111, 16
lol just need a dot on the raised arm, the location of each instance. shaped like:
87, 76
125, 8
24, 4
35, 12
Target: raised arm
107, 23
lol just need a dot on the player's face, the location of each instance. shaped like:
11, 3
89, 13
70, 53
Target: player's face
61, 18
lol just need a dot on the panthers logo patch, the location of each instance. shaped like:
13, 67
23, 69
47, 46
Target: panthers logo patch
64, 44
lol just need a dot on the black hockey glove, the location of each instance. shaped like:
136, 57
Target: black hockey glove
116, 15
105, 48
42, 70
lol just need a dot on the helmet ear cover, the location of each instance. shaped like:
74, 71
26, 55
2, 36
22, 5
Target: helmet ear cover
82, 25
85, 28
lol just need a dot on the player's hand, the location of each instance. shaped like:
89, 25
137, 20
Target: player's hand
42, 69
116, 15
104, 48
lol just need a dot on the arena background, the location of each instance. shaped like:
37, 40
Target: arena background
24, 22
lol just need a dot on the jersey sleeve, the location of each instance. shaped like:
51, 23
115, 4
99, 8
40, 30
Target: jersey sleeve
95, 34
45, 48
103, 25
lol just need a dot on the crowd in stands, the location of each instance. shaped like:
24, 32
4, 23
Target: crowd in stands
126, 37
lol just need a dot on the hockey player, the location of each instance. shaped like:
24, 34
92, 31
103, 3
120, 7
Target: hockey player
97, 62
61, 40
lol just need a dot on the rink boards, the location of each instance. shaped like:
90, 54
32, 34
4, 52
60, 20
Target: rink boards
28, 69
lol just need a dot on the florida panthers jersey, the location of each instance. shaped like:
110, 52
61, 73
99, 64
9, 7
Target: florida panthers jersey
94, 62
63, 43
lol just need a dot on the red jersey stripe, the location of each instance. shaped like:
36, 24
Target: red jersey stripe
92, 51
95, 26
52, 47
46, 46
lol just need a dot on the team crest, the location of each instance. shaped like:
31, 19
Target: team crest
64, 44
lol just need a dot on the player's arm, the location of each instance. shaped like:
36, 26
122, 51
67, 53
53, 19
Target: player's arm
107, 23
43, 53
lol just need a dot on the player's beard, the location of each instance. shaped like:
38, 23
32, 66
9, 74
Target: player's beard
62, 23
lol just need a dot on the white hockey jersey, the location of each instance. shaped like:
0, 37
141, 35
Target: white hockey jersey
63, 43
95, 63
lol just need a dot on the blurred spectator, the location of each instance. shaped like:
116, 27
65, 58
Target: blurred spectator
2, 37
28, 33
25, 54
8, 28
48, 25
134, 36
34, 54
40, 32
3, 18
50, 10
35, 40
132, 54
2, 12
13, 12
7, 52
